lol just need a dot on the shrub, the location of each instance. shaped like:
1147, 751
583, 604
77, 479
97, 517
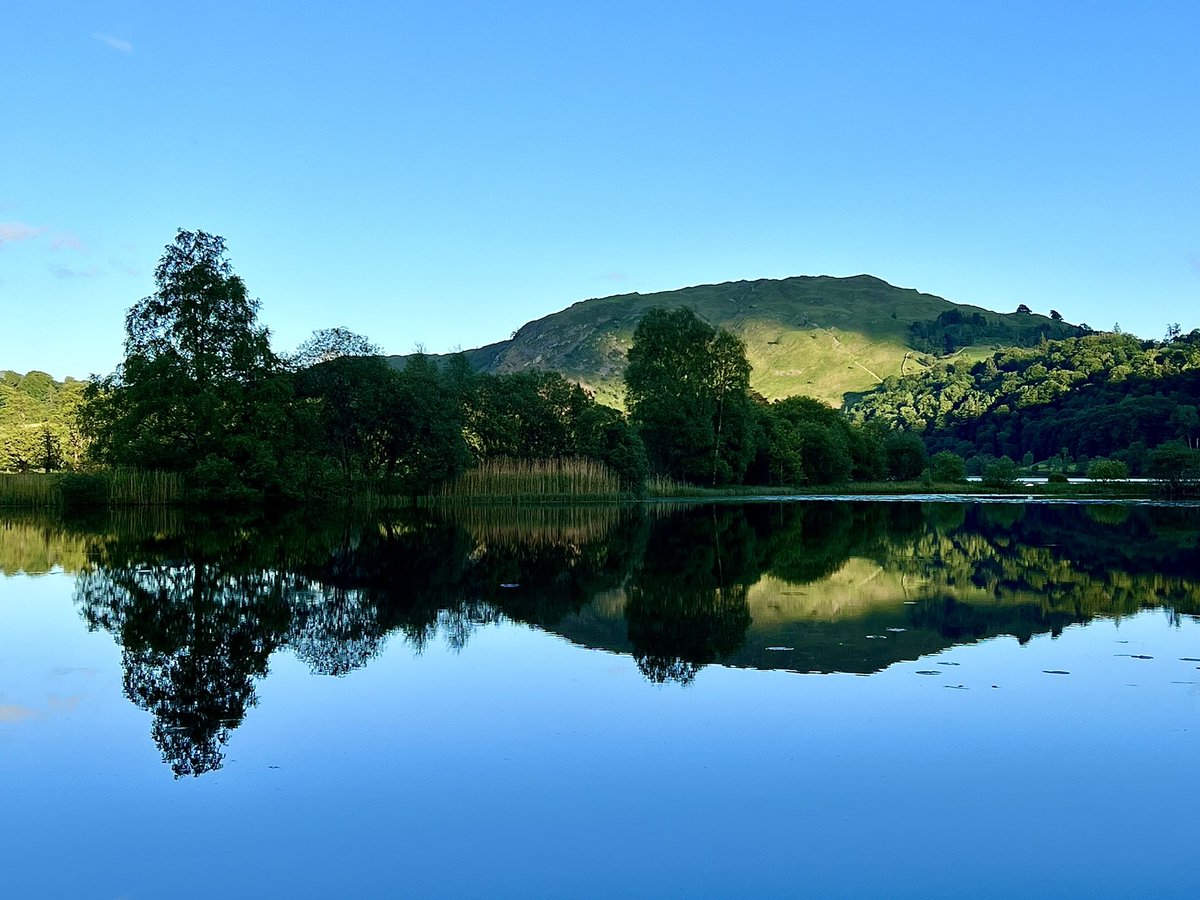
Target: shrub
947, 467
1001, 473
1107, 470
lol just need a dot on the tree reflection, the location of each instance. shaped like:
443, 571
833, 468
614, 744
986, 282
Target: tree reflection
334, 631
687, 600
199, 607
194, 638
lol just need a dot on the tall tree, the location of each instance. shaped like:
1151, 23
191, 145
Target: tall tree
197, 392
687, 386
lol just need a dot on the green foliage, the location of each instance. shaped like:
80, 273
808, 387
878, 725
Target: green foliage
687, 389
1102, 395
906, 455
1107, 470
38, 426
946, 467
424, 417
956, 328
1000, 473
85, 491
200, 393
1176, 467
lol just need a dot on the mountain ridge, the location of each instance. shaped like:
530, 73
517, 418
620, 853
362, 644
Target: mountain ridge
825, 336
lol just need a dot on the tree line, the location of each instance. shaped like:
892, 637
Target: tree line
201, 393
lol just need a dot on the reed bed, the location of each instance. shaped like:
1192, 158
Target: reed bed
571, 478
665, 486
533, 525
121, 487
29, 490
134, 487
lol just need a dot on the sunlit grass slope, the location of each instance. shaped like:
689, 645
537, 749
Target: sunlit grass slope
820, 336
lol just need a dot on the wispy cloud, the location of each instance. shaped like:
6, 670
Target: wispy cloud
64, 240
1193, 260
61, 671
116, 43
12, 713
616, 277
67, 272
12, 232
125, 267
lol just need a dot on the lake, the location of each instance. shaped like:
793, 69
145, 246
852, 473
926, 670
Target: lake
813, 698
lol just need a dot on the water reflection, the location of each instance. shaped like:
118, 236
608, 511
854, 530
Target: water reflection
198, 608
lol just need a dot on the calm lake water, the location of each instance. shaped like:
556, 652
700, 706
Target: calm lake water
808, 699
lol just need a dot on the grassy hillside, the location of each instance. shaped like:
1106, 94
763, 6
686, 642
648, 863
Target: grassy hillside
821, 336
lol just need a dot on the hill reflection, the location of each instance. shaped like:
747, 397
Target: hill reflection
199, 607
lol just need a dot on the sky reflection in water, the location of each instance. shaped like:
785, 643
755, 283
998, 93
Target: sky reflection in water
467, 737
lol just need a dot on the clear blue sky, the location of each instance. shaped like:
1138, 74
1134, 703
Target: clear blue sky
442, 173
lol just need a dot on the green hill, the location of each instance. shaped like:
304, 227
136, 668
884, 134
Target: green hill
817, 335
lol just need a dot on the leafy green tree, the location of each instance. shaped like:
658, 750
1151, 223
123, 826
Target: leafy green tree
606, 436
49, 451
347, 391
198, 391
1000, 473
1107, 470
327, 344
1176, 467
947, 467
687, 388
424, 419
811, 439
905, 455
866, 452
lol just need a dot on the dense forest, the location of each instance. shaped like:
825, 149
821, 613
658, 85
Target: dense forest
954, 329
39, 425
1105, 395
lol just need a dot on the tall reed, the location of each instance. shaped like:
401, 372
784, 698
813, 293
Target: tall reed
535, 479
137, 487
535, 524
29, 490
665, 486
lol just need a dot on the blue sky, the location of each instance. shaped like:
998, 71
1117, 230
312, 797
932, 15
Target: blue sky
440, 173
